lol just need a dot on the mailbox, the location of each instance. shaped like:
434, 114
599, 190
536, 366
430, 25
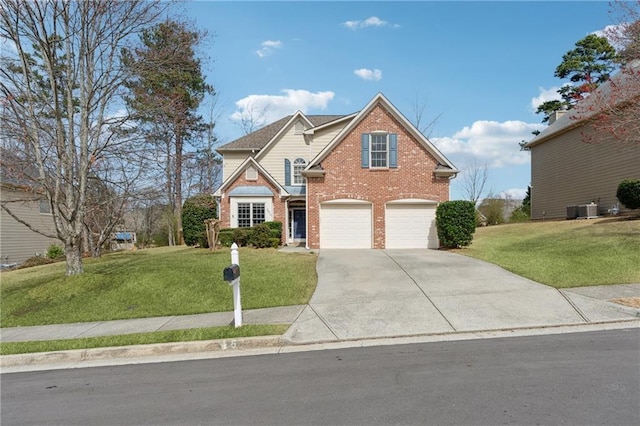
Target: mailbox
231, 273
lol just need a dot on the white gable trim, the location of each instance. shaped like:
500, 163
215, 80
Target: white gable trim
312, 130
250, 161
276, 138
380, 98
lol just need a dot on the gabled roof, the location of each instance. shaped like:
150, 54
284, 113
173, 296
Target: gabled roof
445, 166
604, 93
246, 163
260, 138
16, 172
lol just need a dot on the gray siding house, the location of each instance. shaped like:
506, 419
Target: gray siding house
568, 171
17, 241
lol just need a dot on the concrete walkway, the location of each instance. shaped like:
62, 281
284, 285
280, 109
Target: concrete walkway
389, 293
278, 315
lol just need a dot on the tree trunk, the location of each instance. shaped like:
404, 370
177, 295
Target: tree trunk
73, 252
178, 184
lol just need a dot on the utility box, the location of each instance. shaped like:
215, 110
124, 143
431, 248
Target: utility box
231, 273
588, 210
572, 212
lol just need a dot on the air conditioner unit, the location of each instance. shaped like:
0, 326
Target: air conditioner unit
588, 210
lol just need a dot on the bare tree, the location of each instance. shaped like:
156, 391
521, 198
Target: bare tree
252, 118
613, 113
424, 125
474, 180
60, 77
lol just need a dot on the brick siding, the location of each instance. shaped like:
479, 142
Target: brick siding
344, 178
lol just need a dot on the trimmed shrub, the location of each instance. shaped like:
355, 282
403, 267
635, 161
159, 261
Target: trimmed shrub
55, 252
267, 234
240, 236
194, 212
276, 229
456, 223
261, 236
629, 193
225, 237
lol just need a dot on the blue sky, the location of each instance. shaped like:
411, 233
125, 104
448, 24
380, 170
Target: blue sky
480, 66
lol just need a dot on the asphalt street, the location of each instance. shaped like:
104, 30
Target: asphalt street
581, 378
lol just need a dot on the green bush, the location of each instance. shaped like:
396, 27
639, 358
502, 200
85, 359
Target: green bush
241, 236
519, 216
267, 234
276, 230
194, 212
629, 193
55, 252
225, 237
456, 223
260, 236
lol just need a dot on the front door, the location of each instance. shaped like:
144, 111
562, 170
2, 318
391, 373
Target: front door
299, 224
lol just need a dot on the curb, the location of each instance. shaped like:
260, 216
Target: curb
158, 352
156, 349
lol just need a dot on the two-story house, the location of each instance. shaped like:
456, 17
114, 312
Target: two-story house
364, 180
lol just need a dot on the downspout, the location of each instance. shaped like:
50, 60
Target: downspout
306, 213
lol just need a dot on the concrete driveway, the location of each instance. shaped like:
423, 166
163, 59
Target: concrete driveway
387, 293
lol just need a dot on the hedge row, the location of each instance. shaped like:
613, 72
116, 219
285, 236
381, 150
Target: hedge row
267, 234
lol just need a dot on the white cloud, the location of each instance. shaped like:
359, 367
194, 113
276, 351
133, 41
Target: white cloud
367, 74
372, 21
273, 107
489, 142
514, 193
544, 96
614, 34
268, 46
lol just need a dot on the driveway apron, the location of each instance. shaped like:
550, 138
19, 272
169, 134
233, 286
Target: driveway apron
385, 293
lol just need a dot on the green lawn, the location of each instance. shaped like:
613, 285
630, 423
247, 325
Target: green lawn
206, 333
564, 253
153, 282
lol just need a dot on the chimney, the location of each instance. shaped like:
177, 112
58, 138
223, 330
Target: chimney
555, 115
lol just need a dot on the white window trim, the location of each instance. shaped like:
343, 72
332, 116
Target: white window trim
378, 133
268, 208
293, 171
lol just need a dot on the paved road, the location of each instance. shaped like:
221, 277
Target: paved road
582, 378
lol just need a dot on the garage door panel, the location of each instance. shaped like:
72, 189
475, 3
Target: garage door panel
410, 226
345, 226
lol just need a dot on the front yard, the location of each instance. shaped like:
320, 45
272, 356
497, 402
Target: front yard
564, 253
154, 282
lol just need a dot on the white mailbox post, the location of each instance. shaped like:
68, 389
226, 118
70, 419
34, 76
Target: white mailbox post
232, 276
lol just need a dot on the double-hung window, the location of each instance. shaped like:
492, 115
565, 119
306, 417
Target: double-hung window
250, 214
379, 150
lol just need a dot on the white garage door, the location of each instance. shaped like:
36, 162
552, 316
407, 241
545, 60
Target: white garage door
411, 226
345, 226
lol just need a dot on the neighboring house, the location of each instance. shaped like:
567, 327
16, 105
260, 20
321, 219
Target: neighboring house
567, 171
365, 180
17, 241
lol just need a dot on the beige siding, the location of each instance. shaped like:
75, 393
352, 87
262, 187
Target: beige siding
231, 161
292, 146
17, 242
566, 171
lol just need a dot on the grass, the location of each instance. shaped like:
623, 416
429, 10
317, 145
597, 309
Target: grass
210, 333
153, 282
564, 253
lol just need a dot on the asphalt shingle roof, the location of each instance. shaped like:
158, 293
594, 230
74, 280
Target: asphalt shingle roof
258, 139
